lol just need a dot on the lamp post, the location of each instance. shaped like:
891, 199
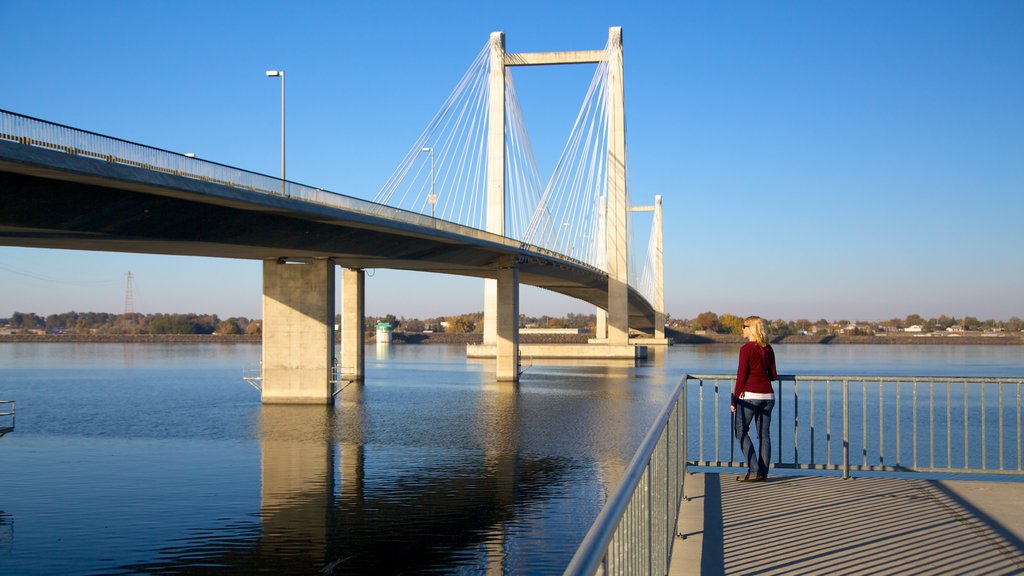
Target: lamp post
431, 198
275, 74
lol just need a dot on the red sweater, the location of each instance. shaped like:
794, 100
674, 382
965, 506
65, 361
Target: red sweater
756, 370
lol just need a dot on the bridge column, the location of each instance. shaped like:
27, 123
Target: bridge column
617, 236
507, 364
495, 174
298, 331
353, 306
601, 325
659, 272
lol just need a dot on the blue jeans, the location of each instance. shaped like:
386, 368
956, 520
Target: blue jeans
760, 412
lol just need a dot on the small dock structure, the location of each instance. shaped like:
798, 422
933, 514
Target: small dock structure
6, 417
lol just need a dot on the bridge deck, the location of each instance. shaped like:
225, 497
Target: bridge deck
53, 199
827, 525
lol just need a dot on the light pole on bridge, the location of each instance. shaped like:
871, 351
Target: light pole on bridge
431, 198
280, 74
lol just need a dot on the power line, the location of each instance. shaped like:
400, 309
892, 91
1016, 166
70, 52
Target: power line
55, 280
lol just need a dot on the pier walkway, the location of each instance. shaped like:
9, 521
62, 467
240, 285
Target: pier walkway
804, 525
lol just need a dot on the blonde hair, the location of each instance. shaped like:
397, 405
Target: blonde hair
758, 329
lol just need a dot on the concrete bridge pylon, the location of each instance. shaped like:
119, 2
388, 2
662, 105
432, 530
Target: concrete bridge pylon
613, 333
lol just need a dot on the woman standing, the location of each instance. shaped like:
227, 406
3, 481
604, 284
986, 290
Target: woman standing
754, 398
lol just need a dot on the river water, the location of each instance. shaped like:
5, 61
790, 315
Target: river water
160, 459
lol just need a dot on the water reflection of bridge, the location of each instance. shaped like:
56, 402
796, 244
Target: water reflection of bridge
348, 486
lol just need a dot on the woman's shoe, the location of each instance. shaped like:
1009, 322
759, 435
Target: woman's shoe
745, 478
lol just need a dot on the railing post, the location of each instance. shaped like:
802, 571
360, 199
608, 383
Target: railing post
1019, 467
966, 443
913, 410
700, 419
846, 428
984, 432
778, 441
796, 421
949, 425
864, 422
899, 457
931, 424
881, 426
828, 421
1001, 426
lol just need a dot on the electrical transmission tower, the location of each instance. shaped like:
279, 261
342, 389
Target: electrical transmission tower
129, 306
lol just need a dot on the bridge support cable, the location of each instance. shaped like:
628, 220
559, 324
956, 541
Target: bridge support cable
457, 136
567, 218
459, 139
523, 183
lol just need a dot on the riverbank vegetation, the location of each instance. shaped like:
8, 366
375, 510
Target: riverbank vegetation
708, 324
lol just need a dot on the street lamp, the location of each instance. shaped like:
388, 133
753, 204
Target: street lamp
274, 74
431, 198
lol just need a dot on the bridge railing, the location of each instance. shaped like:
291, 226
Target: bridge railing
856, 423
41, 133
635, 530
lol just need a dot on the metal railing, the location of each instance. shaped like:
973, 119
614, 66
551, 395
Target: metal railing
854, 423
43, 134
6, 416
635, 530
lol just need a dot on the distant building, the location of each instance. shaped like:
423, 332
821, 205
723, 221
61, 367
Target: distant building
549, 330
915, 328
384, 332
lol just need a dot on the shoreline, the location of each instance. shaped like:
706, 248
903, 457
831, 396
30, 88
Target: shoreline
401, 338
997, 339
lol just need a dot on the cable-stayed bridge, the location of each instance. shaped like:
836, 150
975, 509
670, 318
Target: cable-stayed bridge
467, 199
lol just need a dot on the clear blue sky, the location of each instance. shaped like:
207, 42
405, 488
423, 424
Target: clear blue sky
847, 160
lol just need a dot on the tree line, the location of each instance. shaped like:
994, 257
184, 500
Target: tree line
132, 323
732, 324
191, 323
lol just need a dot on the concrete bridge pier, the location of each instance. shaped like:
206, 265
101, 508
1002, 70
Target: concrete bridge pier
353, 306
507, 346
298, 331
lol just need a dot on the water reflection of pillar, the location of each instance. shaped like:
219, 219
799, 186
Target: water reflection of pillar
614, 424
498, 431
350, 401
297, 474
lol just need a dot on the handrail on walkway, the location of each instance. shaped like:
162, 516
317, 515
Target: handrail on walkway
635, 530
933, 424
